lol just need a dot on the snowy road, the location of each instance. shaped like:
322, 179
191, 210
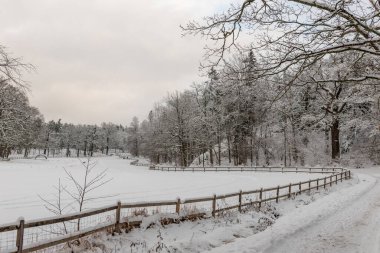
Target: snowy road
346, 221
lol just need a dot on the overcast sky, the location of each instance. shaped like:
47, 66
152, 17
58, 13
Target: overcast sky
103, 60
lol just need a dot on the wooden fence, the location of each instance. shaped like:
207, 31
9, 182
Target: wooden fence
245, 169
58, 155
35, 235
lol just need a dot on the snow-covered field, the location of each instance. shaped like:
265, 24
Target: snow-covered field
344, 218
341, 219
21, 181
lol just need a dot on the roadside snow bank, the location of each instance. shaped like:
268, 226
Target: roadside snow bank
222, 233
300, 219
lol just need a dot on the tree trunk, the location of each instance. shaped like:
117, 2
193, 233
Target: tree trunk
335, 146
68, 152
327, 137
229, 148
47, 144
211, 156
257, 148
85, 148
294, 147
285, 141
91, 149
203, 157
266, 153
136, 147
251, 149
183, 154
219, 150
107, 147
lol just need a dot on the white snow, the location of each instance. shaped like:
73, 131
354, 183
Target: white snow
251, 231
344, 218
21, 181
344, 221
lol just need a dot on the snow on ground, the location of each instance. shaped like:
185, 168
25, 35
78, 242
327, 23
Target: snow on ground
251, 231
21, 181
347, 220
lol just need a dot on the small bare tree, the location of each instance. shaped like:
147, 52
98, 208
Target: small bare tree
57, 206
83, 187
80, 194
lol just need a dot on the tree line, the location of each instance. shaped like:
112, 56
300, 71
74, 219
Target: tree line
235, 118
22, 129
289, 81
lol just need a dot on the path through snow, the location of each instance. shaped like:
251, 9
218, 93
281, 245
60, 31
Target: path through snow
346, 221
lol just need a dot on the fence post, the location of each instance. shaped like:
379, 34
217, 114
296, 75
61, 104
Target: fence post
317, 184
290, 190
309, 185
20, 235
330, 181
300, 188
261, 196
341, 177
213, 205
240, 197
336, 179
324, 183
178, 205
118, 215
277, 193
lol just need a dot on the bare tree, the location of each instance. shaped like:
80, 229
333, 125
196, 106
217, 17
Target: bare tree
57, 206
290, 36
83, 187
79, 195
12, 68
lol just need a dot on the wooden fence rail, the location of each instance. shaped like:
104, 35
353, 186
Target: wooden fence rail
211, 205
245, 169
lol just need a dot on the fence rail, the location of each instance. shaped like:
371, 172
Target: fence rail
246, 168
34, 235
60, 155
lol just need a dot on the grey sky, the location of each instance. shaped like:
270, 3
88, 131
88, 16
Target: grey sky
103, 60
